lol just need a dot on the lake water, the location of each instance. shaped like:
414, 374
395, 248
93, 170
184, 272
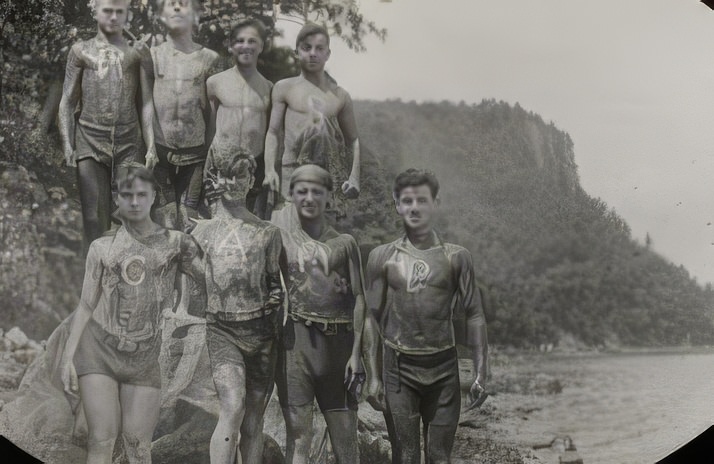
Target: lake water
626, 408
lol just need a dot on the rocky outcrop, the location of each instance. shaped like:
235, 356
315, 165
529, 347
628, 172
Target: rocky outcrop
38, 416
41, 265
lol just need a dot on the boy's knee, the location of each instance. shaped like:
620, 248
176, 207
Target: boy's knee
298, 420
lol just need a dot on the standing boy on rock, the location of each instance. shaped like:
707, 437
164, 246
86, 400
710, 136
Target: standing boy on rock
111, 357
102, 78
414, 285
240, 101
181, 67
322, 349
317, 118
242, 317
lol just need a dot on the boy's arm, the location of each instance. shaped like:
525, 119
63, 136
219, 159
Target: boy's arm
359, 310
275, 127
91, 291
147, 103
346, 118
207, 110
469, 296
371, 339
276, 292
213, 110
71, 93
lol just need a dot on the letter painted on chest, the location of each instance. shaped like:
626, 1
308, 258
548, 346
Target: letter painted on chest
418, 275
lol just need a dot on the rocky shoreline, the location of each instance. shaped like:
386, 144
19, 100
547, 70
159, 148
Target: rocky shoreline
485, 435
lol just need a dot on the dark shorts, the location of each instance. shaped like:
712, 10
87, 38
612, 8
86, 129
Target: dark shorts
109, 149
180, 172
251, 344
425, 385
311, 365
97, 354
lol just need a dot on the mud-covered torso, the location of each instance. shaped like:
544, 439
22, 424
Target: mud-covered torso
244, 258
134, 279
109, 81
180, 94
242, 115
313, 136
421, 288
323, 275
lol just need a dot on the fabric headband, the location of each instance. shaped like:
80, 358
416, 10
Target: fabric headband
311, 173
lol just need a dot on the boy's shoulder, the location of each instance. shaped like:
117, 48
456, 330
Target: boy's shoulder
287, 83
384, 248
203, 54
81, 47
222, 76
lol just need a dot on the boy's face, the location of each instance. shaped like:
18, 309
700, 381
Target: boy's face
178, 15
310, 199
111, 15
416, 206
238, 186
134, 200
246, 47
313, 52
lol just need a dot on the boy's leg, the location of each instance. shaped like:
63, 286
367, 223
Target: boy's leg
165, 212
189, 187
140, 406
95, 195
229, 377
260, 379
403, 406
295, 390
440, 411
343, 435
230, 386
100, 400
298, 425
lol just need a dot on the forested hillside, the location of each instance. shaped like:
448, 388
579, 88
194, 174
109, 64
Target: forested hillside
559, 266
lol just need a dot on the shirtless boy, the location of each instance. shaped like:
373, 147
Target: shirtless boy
242, 317
181, 67
240, 100
413, 286
112, 351
102, 78
318, 121
322, 341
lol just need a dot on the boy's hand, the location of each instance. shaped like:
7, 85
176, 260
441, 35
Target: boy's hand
151, 158
375, 394
476, 396
69, 378
272, 180
70, 157
351, 188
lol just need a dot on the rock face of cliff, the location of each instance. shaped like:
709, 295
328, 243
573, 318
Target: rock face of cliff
559, 267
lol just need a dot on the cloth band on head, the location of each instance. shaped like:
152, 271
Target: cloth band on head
311, 173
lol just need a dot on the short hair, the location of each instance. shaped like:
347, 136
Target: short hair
249, 22
127, 173
414, 178
93, 5
310, 29
196, 4
218, 179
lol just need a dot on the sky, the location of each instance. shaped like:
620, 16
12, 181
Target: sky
631, 81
